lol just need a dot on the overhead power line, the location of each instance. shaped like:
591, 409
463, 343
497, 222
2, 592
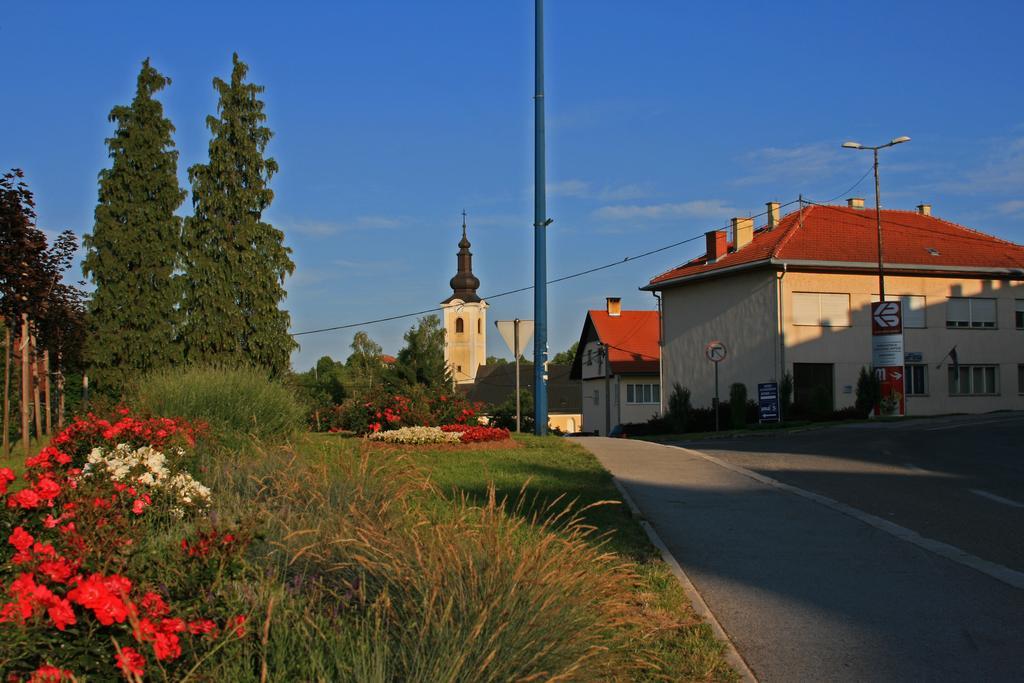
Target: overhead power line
588, 271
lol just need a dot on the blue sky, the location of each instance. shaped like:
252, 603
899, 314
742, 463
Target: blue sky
665, 119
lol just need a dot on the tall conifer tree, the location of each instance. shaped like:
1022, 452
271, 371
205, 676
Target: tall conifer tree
235, 263
133, 251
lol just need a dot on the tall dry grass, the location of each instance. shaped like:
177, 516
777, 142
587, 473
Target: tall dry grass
357, 582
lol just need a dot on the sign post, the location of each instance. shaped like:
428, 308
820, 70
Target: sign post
768, 402
887, 356
516, 334
716, 353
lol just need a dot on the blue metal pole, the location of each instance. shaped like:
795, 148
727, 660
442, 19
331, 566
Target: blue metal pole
540, 224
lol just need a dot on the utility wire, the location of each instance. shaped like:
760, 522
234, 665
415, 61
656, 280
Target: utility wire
571, 276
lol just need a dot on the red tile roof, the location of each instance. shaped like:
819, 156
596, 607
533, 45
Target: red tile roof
632, 338
388, 360
847, 239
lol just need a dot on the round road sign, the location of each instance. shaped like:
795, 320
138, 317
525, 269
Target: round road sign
715, 351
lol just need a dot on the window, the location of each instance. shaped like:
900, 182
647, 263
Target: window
975, 313
1020, 379
915, 380
1018, 314
821, 309
460, 327
479, 326
590, 356
913, 309
643, 393
597, 397
974, 380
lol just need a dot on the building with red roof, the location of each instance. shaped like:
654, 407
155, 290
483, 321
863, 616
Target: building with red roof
793, 298
618, 355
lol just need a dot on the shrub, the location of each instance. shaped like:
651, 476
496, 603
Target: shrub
679, 408
504, 414
416, 405
232, 400
738, 405
869, 392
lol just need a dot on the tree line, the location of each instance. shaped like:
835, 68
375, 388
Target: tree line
204, 289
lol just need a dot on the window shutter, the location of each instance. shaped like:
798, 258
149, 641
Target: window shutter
958, 312
835, 310
983, 312
805, 308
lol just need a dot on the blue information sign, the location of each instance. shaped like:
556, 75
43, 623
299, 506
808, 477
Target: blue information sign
768, 401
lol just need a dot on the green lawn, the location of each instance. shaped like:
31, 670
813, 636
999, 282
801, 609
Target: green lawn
553, 472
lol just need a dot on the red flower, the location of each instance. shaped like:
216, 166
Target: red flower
238, 623
6, 477
26, 499
61, 613
130, 662
50, 674
154, 605
203, 627
166, 646
21, 539
138, 506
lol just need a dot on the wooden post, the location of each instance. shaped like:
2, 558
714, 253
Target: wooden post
36, 403
26, 386
60, 391
7, 392
46, 391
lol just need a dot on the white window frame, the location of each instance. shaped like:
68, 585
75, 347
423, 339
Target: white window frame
970, 323
906, 301
909, 375
969, 375
819, 321
651, 394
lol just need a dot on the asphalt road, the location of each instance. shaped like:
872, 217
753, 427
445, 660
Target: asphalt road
810, 593
959, 480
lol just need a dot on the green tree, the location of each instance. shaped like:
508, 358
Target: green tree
364, 363
566, 357
869, 392
132, 253
234, 262
421, 360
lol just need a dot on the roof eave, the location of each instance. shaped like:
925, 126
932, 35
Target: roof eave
715, 272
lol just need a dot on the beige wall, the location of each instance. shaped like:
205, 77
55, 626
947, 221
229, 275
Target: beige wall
621, 411
467, 351
849, 348
742, 311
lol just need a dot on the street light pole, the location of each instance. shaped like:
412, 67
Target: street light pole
878, 204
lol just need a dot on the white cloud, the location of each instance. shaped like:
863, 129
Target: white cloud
1002, 171
326, 228
583, 189
569, 188
1011, 207
788, 164
698, 208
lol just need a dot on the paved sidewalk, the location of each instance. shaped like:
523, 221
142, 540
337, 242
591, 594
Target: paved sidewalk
810, 594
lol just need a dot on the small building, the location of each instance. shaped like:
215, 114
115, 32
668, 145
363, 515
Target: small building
793, 298
618, 356
496, 384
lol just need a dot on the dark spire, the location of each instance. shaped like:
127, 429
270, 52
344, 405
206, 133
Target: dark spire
464, 284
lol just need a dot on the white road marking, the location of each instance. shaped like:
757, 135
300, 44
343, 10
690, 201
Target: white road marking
916, 468
1008, 576
998, 499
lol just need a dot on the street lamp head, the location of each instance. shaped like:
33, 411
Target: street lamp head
902, 138
852, 145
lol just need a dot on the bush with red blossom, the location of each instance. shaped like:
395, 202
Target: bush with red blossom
81, 591
477, 433
415, 406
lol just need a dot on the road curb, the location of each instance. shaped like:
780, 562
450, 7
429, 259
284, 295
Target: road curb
1006, 575
732, 655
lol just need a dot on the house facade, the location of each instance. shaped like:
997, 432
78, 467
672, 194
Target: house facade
794, 297
617, 362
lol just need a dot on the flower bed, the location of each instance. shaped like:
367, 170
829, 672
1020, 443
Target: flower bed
85, 583
477, 433
416, 435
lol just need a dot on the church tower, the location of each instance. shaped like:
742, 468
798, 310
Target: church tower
465, 319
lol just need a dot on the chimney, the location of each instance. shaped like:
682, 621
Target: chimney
742, 232
614, 306
718, 244
773, 214
855, 202
924, 209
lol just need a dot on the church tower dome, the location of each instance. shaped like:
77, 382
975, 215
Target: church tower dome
465, 318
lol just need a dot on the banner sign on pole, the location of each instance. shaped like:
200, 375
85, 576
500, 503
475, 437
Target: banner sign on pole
887, 355
768, 401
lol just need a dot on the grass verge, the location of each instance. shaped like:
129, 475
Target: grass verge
539, 477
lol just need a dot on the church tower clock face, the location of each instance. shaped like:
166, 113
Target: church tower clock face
465, 318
